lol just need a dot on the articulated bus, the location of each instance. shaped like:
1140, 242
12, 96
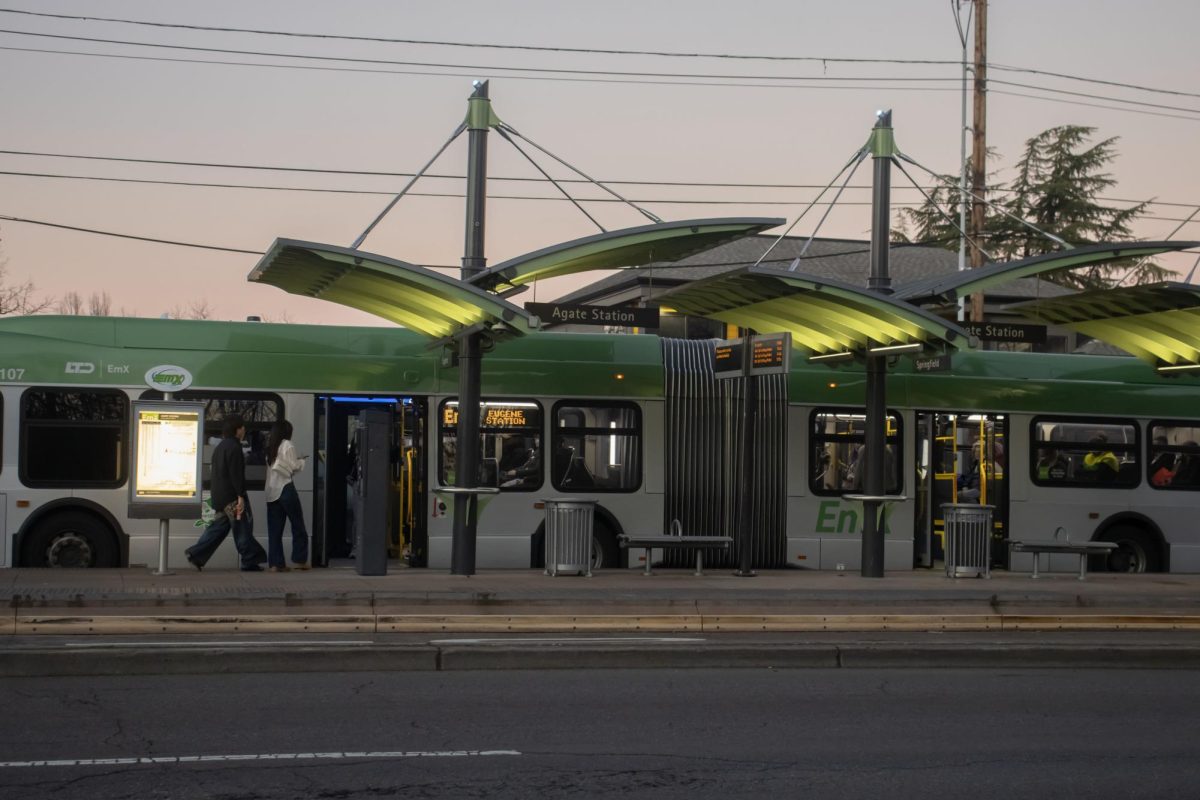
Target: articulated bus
1078, 447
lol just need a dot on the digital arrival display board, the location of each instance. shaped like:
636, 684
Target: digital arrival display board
167, 449
770, 354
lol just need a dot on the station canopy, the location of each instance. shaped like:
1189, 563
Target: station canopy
628, 247
828, 318
1159, 323
410, 295
959, 284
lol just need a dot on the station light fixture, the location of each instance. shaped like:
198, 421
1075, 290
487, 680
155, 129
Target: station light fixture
839, 356
1179, 368
897, 349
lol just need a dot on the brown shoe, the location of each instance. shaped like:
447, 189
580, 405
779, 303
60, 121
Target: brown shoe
278, 569
301, 567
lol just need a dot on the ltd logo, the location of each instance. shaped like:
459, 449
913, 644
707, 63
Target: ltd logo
80, 368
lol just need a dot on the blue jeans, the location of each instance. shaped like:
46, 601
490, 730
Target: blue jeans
287, 507
249, 550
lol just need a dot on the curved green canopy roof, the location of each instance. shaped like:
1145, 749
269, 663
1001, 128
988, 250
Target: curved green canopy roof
823, 316
415, 297
664, 241
950, 287
1159, 323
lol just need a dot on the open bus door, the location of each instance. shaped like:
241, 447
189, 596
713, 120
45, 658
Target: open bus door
961, 458
338, 470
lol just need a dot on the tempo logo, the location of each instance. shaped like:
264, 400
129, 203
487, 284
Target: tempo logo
80, 368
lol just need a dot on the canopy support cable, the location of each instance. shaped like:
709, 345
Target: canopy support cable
505, 126
855, 160
362, 236
942, 179
546, 175
944, 215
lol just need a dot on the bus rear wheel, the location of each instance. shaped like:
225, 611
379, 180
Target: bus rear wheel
70, 539
1136, 551
605, 552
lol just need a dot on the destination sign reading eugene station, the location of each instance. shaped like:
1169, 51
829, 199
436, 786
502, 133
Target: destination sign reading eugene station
496, 415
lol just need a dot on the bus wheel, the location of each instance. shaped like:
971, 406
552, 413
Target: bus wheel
70, 539
1136, 551
604, 548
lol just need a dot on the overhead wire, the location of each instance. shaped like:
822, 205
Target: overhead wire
593, 50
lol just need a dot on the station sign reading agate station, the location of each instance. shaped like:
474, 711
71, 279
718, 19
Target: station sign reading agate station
576, 314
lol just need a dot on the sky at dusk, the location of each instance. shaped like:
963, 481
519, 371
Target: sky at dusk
617, 117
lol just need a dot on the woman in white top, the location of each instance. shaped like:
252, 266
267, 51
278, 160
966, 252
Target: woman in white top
282, 500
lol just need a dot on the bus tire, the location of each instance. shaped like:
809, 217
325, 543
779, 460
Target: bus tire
605, 552
1137, 551
70, 539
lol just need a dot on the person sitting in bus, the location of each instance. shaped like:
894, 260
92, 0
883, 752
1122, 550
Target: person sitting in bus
1187, 473
1100, 464
1162, 468
1052, 466
527, 473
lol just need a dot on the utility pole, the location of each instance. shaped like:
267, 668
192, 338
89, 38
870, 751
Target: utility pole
979, 150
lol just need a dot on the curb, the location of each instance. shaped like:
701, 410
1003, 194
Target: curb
115, 624
208, 660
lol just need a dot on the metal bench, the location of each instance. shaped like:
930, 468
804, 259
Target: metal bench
667, 541
1081, 549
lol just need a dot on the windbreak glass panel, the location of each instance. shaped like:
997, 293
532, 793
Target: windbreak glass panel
1084, 453
838, 441
597, 447
72, 437
1173, 455
510, 440
258, 410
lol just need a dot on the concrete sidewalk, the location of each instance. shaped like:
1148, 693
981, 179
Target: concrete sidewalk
128, 601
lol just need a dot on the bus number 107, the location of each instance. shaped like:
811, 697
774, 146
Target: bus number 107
11, 373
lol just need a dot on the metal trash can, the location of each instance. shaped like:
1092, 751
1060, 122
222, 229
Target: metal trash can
968, 539
569, 535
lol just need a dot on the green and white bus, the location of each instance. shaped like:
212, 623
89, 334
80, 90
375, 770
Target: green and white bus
635, 422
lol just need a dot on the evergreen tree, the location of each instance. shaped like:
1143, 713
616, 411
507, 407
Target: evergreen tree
1056, 186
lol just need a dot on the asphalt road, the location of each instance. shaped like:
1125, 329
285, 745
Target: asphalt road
662, 733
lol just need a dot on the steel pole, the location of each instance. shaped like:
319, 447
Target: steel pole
883, 147
466, 460
749, 417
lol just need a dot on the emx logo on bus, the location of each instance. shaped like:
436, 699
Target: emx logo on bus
168, 378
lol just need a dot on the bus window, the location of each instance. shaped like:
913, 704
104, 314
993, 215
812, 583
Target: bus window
73, 437
838, 439
1173, 455
259, 410
1084, 453
510, 444
596, 447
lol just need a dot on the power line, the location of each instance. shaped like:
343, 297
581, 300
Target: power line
475, 67
445, 176
475, 45
1093, 105
638, 82
595, 51
475, 73
131, 236
1093, 96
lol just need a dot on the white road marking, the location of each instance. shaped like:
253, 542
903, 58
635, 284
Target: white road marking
393, 754
284, 642
573, 639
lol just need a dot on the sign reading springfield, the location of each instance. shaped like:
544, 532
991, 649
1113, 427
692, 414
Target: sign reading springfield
576, 314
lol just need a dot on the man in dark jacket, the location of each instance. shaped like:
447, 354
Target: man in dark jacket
228, 489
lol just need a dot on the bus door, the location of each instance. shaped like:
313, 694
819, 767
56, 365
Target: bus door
338, 471
961, 458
